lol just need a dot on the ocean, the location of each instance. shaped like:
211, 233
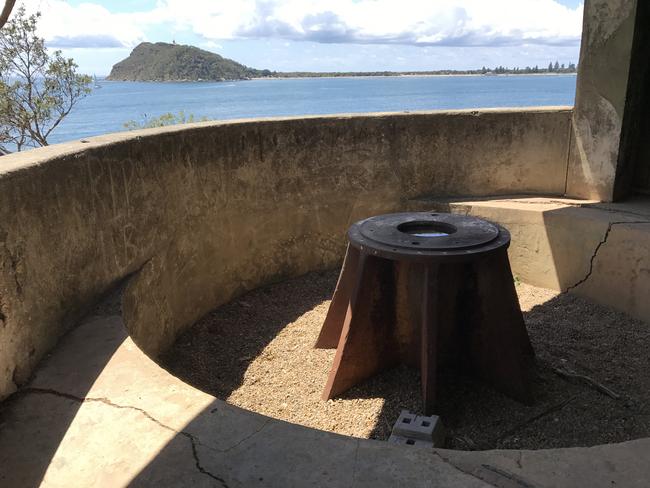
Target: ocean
114, 103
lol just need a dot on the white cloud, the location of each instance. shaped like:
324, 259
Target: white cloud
415, 22
86, 25
408, 22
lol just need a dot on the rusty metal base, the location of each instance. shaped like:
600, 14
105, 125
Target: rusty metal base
427, 315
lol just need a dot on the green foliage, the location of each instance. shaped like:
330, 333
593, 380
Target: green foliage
174, 62
162, 120
497, 70
37, 89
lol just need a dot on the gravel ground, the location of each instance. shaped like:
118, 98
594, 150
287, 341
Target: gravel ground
257, 352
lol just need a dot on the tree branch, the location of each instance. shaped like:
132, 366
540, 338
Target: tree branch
38, 90
6, 11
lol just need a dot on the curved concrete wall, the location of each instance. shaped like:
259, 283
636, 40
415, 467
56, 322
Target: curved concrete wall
204, 212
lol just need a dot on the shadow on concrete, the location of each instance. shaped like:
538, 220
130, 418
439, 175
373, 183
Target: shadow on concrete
35, 421
28, 440
214, 354
568, 333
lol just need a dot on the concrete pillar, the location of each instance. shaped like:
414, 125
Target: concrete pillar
603, 70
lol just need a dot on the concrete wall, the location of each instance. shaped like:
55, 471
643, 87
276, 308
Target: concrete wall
598, 251
204, 212
605, 53
633, 166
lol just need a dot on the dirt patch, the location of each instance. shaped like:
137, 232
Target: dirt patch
257, 352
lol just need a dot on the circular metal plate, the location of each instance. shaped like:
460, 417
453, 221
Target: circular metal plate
426, 234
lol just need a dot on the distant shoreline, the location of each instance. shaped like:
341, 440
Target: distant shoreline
165, 62
423, 75
395, 75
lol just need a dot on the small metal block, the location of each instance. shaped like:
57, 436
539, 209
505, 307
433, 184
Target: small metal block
420, 427
405, 441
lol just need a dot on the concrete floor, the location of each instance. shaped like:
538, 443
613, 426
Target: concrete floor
99, 413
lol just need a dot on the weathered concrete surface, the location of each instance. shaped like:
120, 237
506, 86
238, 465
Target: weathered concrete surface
605, 54
599, 251
598, 466
206, 211
100, 413
620, 272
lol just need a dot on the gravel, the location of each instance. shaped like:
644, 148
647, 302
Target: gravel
257, 352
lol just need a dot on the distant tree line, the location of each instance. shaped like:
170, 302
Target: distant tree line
552, 68
497, 70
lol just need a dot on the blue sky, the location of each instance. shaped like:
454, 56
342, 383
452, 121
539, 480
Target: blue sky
321, 35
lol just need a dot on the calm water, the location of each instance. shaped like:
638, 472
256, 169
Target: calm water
107, 108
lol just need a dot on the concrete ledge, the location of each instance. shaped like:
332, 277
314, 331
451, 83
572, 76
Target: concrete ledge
599, 251
99, 412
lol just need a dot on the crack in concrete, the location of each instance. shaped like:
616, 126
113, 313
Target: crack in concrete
197, 462
249, 436
461, 470
519, 460
595, 253
193, 440
508, 475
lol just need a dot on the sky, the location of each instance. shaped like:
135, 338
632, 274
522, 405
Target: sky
321, 35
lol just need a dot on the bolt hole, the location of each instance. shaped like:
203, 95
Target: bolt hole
410, 442
434, 215
406, 421
415, 243
426, 424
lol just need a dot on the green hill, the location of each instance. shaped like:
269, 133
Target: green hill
174, 62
